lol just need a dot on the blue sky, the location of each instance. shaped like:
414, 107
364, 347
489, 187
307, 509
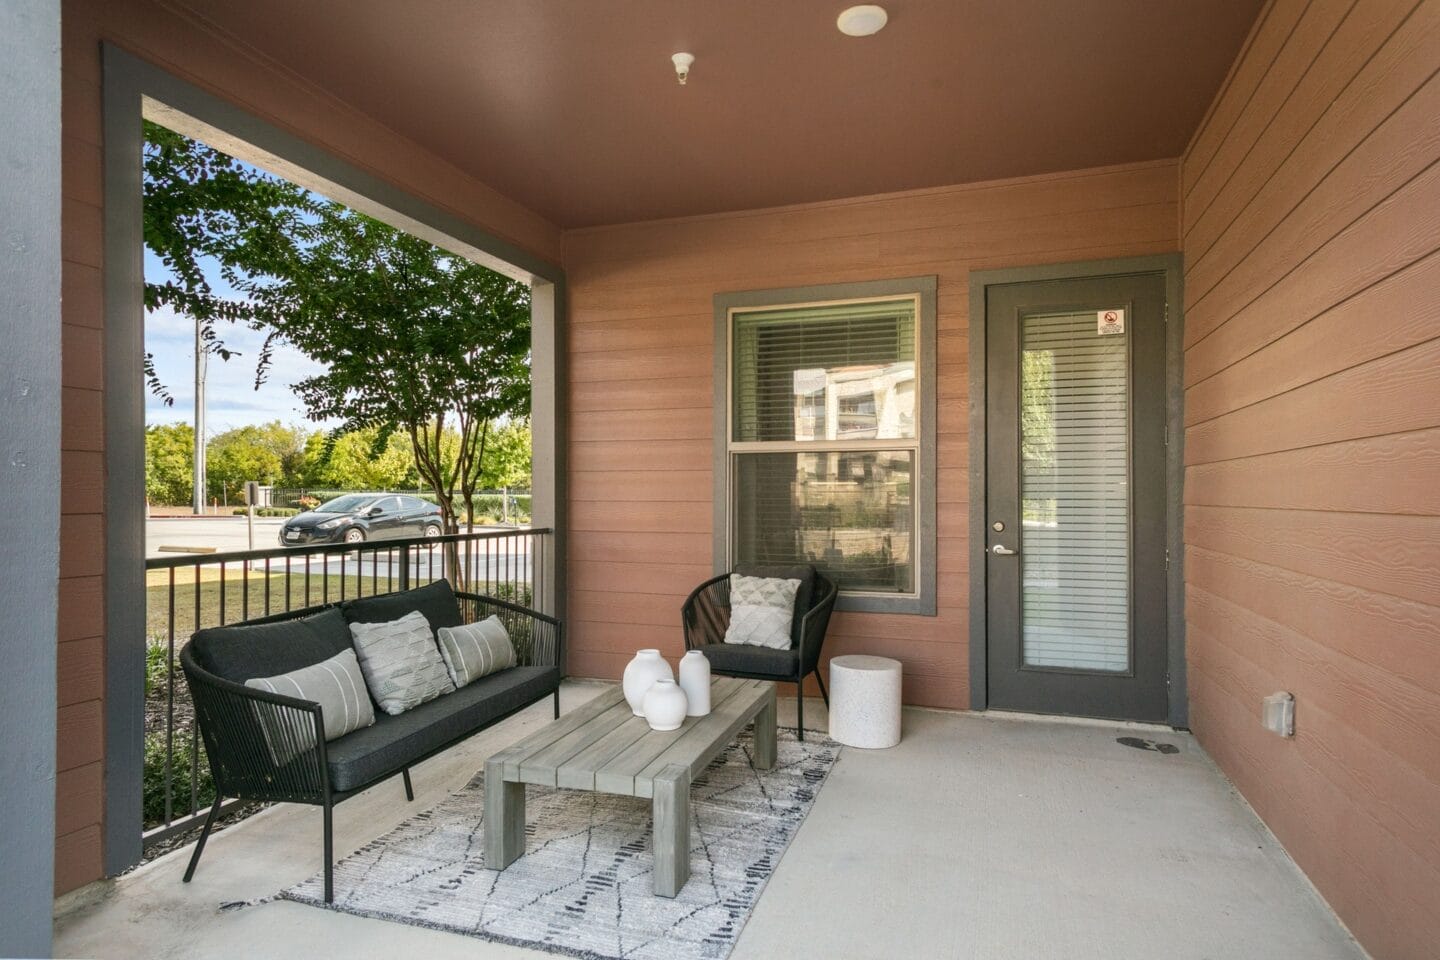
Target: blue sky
231, 398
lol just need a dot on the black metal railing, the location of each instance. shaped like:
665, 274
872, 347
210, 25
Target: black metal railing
187, 593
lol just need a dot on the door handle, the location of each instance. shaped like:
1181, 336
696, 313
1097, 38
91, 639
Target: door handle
1000, 550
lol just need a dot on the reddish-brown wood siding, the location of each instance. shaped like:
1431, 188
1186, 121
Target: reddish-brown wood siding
1311, 233
641, 391
188, 48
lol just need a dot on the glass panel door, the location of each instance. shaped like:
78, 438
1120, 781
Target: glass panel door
1075, 501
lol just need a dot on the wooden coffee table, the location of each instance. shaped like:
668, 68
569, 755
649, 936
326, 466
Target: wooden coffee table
603, 747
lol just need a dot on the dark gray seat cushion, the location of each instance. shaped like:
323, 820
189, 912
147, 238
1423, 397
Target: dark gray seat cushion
743, 658
804, 596
366, 755
243, 651
435, 600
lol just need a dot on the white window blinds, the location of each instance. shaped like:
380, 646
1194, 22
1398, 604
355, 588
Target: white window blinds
1074, 424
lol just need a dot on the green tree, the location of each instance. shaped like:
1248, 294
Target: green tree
350, 462
507, 458
416, 340
203, 206
239, 455
169, 464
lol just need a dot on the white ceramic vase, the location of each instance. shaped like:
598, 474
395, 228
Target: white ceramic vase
647, 667
665, 705
695, 681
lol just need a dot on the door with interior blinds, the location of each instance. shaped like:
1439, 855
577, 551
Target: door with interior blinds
1075, 498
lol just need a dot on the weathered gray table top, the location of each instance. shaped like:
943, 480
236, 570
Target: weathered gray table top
602, 746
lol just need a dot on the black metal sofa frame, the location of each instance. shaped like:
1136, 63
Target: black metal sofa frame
243, 758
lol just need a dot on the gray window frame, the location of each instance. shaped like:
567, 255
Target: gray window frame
923, 602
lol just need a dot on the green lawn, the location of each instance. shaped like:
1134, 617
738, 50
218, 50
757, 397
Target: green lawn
244, 597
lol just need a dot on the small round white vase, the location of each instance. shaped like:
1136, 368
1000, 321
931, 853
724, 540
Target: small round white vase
665, 705
695, 681
647, 667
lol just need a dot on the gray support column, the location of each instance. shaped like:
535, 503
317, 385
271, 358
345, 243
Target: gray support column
548, 435
29, 465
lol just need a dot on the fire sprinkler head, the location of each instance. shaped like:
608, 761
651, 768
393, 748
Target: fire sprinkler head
682, 63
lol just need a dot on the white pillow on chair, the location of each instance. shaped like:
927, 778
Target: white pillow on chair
761, 611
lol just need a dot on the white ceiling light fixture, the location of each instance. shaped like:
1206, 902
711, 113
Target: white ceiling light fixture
863, 21
682, 63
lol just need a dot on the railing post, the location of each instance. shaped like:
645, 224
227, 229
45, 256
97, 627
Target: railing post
405, 567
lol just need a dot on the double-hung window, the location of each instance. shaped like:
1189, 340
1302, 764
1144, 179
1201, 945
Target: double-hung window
828, 447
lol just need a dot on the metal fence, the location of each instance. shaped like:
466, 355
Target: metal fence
184, 594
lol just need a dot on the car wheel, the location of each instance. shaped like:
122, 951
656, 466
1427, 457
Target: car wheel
432, 530
354, 535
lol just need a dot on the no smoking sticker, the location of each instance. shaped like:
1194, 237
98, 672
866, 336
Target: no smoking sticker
1110, 321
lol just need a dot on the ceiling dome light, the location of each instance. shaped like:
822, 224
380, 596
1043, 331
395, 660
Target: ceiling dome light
862, 21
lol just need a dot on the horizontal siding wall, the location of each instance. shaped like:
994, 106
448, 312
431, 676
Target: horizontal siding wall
1311, 234
185, 46
641, 385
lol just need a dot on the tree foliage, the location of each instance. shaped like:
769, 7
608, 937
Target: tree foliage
270, 453
169, 463
203, 206
415, 340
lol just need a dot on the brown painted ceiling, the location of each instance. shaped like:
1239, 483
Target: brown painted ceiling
571, 106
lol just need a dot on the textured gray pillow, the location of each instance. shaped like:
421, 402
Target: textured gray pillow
336, 684
761, 609
402, 667
475, 650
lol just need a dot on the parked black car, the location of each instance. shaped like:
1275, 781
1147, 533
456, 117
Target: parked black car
357, 517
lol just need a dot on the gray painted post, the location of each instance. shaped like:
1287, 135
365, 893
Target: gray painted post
672, 830
504, 817
29, 465
765, 735
134, 89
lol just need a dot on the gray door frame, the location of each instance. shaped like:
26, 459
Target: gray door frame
135, 89
1171, 267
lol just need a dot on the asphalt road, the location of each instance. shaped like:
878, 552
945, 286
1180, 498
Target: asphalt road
499, 560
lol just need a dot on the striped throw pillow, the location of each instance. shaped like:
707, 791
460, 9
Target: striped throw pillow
336, 684
476, 649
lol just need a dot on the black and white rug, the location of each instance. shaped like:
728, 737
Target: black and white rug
583, 887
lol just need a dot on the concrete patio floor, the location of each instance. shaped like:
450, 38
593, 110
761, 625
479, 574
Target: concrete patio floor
979, 836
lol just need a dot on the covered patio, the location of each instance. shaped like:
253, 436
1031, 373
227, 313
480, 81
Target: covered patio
993, 836
1092, 350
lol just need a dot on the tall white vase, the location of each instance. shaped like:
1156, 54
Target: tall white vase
647, 667
695, 681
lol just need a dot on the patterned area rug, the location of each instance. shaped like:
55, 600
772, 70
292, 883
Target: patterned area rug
583, 887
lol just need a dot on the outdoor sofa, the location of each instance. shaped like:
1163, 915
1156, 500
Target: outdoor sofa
242, 725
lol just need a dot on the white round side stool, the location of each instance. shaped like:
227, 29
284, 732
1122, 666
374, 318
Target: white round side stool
865, 701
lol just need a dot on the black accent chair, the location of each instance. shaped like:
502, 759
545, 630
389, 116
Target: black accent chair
706, 615
241, 724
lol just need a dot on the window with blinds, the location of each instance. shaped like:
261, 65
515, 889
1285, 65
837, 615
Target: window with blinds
1075, 498
824, 444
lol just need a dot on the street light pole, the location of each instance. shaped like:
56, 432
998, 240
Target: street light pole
199, 477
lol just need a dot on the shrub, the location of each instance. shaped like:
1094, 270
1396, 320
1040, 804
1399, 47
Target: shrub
154, 777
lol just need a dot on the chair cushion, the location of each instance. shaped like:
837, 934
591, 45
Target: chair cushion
804, 596
243, 651
401, 663
364, 756
762, 611
435, 600
761, 661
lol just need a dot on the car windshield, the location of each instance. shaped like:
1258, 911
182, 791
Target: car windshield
348, 504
